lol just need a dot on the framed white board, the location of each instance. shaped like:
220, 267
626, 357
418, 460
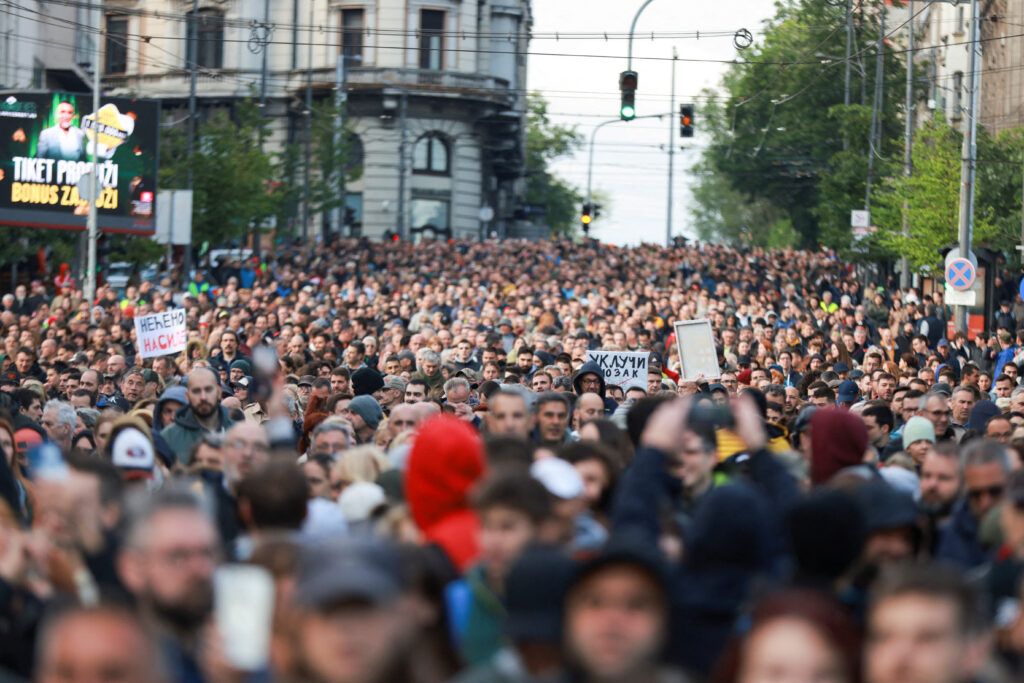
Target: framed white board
696, 346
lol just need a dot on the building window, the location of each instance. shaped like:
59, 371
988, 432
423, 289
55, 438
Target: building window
431, 39
430, 155
352, 35
959, 20
355, 152
958, 86
209, 26
116, 45
429, 217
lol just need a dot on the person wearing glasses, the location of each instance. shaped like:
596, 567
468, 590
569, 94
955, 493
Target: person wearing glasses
986, 472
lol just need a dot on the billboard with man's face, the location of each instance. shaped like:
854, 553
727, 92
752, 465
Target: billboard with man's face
45, 148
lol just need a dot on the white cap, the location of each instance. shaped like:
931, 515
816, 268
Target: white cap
559, 477
132, 450
360, 499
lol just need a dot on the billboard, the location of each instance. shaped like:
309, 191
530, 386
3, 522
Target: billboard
45, 144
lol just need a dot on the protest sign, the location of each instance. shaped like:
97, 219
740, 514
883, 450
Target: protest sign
161, 334
697, 354
626, 369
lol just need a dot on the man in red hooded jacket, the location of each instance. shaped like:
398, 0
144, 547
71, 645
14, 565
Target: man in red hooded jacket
445, 462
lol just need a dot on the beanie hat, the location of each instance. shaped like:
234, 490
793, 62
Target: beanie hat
917, 428
826, 532
838, 439
365, 381
980, 414
241, 364
367, 408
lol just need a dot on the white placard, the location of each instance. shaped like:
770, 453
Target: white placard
244, 613
161, 334
696, 345
626, 369
957, 298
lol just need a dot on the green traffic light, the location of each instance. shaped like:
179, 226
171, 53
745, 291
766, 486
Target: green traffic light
627, 112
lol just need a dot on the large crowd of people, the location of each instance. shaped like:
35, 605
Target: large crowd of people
395, 462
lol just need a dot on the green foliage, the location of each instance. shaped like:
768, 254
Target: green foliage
329, 161
135, 249
778, 131
546, 142
230, 173
932, 195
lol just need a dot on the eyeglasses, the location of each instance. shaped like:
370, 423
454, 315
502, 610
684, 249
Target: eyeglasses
987, 491
242, 444
939, 413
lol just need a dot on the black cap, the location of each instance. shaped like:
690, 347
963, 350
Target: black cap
348, 569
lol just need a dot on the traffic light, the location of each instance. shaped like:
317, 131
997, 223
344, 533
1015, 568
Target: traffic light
586, 217
627, 86
686, 120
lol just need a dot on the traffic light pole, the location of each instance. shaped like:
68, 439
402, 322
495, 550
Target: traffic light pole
593, 134
671, 152
632, 27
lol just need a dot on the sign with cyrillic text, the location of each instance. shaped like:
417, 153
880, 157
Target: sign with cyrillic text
626, 369
161, 334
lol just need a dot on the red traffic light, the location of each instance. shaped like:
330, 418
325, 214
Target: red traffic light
628, 80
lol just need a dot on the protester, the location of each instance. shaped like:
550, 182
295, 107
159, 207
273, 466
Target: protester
416, 444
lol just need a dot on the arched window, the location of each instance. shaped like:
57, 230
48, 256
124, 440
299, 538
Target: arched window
430, 155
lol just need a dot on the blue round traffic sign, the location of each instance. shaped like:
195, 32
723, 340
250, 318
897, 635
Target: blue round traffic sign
960, 274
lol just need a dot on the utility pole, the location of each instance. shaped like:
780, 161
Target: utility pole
969, 153
341, 109
193, 57
92, 227
403, 219
265, 47
671, 151
309, 128
908, 142
876, 110
849, 42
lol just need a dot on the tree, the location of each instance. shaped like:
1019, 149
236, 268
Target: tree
331, 162
782, 124
231, 173
932, 195
546, 142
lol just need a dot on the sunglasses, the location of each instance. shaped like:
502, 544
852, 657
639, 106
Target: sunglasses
990, 491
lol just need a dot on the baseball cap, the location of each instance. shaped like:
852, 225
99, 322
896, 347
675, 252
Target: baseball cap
132, 452
942, 388
840, 366
306, 381
25, 439
848, 392
856, 374
394, 382
349, 569
559, 477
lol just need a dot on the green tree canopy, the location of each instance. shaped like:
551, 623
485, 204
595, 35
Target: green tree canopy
546, 142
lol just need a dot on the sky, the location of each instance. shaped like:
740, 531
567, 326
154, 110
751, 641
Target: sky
631, 158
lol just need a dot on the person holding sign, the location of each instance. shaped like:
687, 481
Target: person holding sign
590, 377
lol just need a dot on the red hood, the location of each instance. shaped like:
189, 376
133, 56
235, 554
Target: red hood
445, 462
838, 439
